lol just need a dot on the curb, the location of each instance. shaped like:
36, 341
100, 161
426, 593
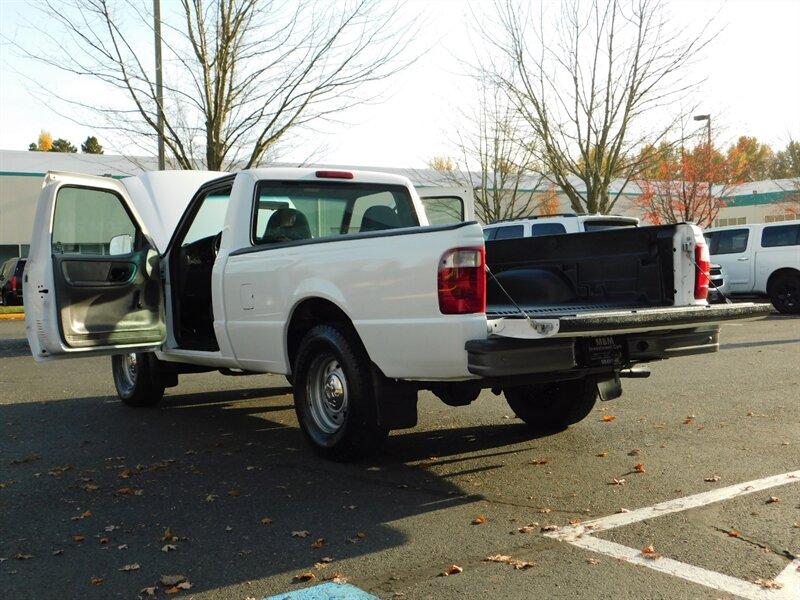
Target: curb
12, 317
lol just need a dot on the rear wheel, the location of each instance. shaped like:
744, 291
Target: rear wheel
784, 293
133, 378
333, 394
553, 406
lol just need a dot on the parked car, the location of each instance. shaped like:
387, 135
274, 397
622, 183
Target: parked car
718, 287
11, 281
760, 259
554, 224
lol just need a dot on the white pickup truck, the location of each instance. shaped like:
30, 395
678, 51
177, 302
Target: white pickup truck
337, 280
760, 259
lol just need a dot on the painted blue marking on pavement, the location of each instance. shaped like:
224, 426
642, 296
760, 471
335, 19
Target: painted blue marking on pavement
326, 591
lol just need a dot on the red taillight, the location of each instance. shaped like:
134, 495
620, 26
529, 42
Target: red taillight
14, 283
702, 274
462, 281
335, 174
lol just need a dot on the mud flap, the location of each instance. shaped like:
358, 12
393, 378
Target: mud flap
609, 389
395, 401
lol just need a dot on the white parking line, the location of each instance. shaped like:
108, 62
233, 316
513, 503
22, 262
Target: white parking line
788, 582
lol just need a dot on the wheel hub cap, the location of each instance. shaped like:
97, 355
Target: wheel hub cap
334, 391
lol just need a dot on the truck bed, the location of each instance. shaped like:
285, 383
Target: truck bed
577, 273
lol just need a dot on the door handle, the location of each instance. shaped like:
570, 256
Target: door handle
742, 259
119, 274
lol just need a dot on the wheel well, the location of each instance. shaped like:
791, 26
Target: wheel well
779, 272
306, 315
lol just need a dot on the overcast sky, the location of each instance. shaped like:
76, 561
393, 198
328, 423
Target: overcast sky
753, 86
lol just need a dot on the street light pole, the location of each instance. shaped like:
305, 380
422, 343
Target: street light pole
707, 118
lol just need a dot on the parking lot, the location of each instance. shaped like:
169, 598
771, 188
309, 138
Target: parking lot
686, 487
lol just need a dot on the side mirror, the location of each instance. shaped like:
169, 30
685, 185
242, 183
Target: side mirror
121, 244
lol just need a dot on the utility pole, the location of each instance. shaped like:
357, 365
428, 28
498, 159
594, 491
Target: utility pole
159, 84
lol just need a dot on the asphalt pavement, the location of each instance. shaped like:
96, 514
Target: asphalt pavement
214, 493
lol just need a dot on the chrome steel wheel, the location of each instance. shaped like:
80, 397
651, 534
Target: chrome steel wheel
126, 368
134, 379
327, 394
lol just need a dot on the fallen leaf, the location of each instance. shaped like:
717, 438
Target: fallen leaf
769, 584
25, 459
451, 570
772, 500
167, 536
634, 452
608, 418
733, 533
712, 479
602, 455
688, 421
103, 540
592, 561
131, 567
623, 510
615, 481
172, 580
517, 564
124, 491
650, 553
361, 535
479, 520
318, 543
58, 552
326, 560
574, 522
23, 556
211, 498
266, 521
335, 578
301, 534
78, 538
124, 474
309, 576
173, 590
540, 461
234, 493
184, 585
149, 591
168, 548
96, 580
639, 468
550, 528
528, 528
545, 510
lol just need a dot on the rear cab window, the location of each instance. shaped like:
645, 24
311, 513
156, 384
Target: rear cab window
289, 211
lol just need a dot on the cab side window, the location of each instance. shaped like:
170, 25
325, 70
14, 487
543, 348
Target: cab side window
729, 241
781, 235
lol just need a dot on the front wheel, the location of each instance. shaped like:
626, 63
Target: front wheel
784, 293
133, 378
553, 406
333, 394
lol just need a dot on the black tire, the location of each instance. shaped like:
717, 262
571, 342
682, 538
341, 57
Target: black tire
333, 394
553, 406
133, 378
784, 293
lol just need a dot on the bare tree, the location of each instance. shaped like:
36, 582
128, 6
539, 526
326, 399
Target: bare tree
498, 161
584, 79
239, 75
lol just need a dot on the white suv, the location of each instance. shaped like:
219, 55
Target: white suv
554, 224
760, 259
